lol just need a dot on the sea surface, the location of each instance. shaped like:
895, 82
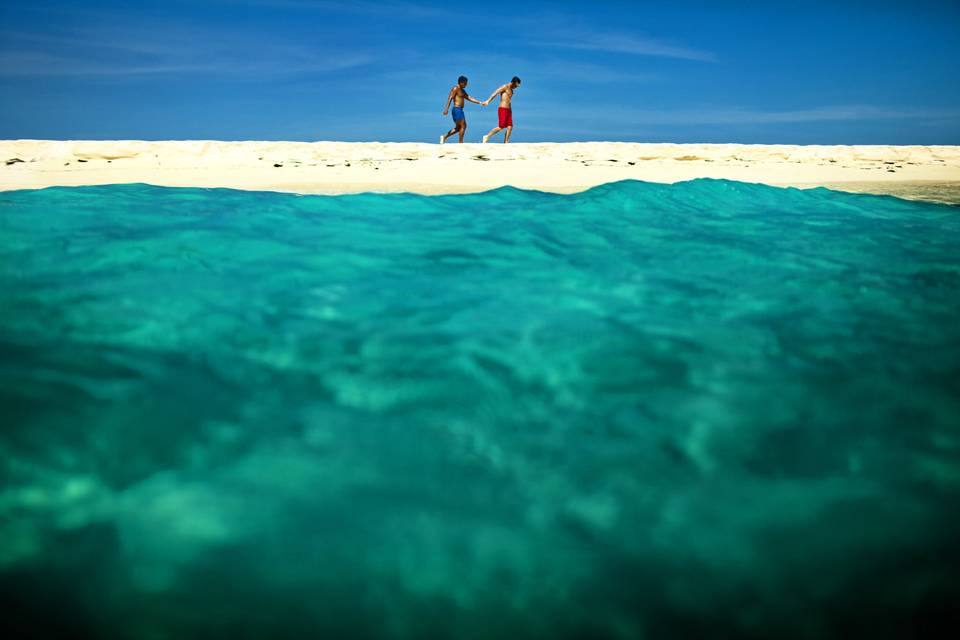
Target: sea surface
711, 409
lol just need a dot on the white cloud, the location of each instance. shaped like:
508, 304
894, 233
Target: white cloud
140, 50
547, 70
746, 116
28, 63
625, 43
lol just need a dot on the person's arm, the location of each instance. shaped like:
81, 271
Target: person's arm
446, 107
471, 99
494, 95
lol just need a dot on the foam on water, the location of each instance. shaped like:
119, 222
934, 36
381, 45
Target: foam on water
707, 409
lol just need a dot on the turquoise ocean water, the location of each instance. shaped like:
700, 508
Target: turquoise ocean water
711, 409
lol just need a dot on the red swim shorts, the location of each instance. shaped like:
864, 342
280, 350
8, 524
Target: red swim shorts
506, 117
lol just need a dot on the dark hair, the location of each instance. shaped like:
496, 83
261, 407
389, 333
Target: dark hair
461, 79
516, 80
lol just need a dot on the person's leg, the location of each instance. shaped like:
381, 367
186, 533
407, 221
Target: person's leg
492, 133
458, 120
506, 136
463, 129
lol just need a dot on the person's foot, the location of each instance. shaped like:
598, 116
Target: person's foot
443, 139
485, 138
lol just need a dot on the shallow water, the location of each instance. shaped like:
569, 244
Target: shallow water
709, 409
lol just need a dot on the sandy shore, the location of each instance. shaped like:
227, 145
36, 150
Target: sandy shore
920, 172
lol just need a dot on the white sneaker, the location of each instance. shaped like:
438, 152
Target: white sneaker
485, 138
443, 139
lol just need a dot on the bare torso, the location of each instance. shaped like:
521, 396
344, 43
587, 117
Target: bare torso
505, 96
459, 96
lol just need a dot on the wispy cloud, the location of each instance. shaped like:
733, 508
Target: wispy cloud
569, 71
133, 50
624, 43
558, 28
548, 70
646, 121
29, 63
842, 113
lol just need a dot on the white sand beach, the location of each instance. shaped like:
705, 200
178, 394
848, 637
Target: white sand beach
918, 172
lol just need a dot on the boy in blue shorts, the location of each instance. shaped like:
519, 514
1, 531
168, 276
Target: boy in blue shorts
457, 95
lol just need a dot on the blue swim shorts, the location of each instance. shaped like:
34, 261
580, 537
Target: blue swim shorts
457, 114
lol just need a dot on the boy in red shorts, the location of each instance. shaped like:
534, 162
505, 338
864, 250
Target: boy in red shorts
505, 112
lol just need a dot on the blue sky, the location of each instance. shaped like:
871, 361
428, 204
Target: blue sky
780, 72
